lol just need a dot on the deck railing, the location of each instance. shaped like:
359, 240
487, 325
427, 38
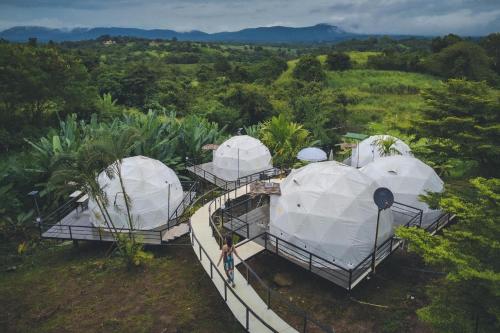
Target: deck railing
51, 225
304, 256
228, 185
216, 274
307, 320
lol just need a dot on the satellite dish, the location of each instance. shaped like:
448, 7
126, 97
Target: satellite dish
383, 198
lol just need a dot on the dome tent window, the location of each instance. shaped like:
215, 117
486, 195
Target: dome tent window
377, 146
154, 192
241, 156
408, 178
328, 208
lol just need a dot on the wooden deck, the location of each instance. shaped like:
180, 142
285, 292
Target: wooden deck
77, 225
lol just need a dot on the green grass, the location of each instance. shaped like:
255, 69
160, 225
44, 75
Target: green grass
382, 100
62, 289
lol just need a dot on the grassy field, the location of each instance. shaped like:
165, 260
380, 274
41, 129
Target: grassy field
63, 289
381, 101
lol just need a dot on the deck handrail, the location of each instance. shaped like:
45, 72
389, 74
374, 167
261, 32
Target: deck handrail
54, 219
248, 310
219, 238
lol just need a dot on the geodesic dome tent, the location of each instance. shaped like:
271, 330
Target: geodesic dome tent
367, 150
407, 177
147, 182
241, 156
328, 209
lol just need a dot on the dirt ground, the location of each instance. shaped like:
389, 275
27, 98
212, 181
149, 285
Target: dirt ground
393, 294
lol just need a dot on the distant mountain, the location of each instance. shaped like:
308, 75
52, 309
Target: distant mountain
276, 34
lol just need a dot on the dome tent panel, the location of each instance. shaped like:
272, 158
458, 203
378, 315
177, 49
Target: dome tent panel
367, 150
328, 208
147, 183
408, 178
241, 156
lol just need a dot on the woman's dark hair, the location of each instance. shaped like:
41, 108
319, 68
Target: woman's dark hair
229, 241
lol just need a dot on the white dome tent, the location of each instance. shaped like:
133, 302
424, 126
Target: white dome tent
328, 208
148, 184
312, 154
241, 156
407, 178
367, 150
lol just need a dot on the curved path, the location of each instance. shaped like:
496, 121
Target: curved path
248, 297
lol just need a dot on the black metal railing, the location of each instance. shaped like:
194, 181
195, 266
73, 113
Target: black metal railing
215, 273
301, 254
440, 222
308, 320
228, 185
52, 225
272, 297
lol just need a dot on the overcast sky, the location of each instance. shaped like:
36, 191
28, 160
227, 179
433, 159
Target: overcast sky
422, 17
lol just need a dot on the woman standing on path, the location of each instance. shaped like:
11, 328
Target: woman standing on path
227, 254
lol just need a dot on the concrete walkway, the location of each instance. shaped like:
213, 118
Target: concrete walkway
202, 233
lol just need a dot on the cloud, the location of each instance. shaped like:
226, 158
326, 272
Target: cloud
422, 17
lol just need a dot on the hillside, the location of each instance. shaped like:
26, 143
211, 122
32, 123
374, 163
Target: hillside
275, 34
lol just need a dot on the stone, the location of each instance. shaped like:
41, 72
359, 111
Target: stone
282, 280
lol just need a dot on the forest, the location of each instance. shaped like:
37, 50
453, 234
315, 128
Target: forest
165, 99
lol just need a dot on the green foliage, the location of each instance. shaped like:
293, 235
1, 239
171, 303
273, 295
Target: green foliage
462, 121
250, 100
386, 146
440, 43
491, 44
461, 60
285, 139
468, 253
338, 61
309, 69
131, 251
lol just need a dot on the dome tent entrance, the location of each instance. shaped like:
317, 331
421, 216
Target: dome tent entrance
328, 208
407, 177
367, 150
241, 156
154, 190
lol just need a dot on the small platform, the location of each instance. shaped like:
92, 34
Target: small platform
260, 187
77, 225
247, 250
206, 171
255, 222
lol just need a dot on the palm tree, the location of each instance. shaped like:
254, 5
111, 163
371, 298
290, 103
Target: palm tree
285, 139
112, 146
386, 146
79, 170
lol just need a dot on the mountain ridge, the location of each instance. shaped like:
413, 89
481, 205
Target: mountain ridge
321, 32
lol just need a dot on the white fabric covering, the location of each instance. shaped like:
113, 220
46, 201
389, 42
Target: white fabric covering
241, 156
312, 154
368, 150
328, 208
407, 177
146, 183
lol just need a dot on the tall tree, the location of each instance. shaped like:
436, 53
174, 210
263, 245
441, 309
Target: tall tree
467, 299
491, 44
462, 60
338, 61
309, 68
462, 119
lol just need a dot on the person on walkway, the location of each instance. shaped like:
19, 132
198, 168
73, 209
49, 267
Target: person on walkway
227, 254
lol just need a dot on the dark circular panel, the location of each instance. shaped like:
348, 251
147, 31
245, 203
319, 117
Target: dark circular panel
383, 198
